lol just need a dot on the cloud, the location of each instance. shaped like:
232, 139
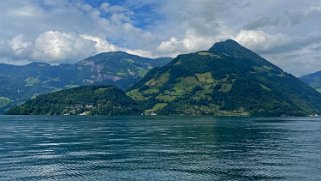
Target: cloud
285, 32
114, 9
66, 31
189, 43
26, 11
173, 46
260, 41
263, 22
19, 44
54, 46
102, 45
62, 47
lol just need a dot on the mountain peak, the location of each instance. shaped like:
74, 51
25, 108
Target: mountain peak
227, 46
38, 64
113, 53
228, 80
228, 42
233, 49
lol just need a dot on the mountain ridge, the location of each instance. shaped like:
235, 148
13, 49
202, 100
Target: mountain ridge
313, 79
226, 80
20, 83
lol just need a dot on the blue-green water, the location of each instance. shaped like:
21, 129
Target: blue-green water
159, 148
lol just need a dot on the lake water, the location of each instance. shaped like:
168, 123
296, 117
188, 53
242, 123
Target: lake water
159, 148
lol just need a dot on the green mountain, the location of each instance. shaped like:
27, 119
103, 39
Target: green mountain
314, 80
116, 68
228, 79
85, 100
20, 83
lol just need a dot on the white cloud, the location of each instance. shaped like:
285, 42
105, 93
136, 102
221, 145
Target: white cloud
67, 31
54, 47
27, 11
261, 41
114, 9
19, 44
192, 41
100, 44
8, 60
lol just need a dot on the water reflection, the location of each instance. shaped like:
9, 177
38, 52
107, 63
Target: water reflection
159, 148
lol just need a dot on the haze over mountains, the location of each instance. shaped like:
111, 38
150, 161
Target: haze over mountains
19, 83
314, 80
228, 79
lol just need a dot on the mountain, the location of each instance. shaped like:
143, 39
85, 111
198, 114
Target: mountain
117, 68
228, 79
20, 83
314, 80
85, 100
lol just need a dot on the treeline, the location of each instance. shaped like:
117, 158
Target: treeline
90, 100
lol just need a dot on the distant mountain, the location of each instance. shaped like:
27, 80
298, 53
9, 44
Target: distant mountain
20, 83
116, 68
314, 80
228, 79
85, 100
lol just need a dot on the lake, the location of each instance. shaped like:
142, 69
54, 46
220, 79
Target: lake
159, 148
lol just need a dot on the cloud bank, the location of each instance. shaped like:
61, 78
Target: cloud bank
287, 32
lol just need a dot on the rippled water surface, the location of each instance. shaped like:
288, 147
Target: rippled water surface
159, 148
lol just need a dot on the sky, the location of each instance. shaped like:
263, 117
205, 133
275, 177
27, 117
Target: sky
285, 32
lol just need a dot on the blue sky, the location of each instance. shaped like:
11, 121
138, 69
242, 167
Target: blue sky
145, 14
287, 32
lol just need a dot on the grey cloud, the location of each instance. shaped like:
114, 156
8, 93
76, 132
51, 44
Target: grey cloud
290, 28
264, 21
24, 22
294, 44
288, 32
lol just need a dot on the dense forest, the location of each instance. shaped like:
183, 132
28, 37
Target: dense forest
85, 100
